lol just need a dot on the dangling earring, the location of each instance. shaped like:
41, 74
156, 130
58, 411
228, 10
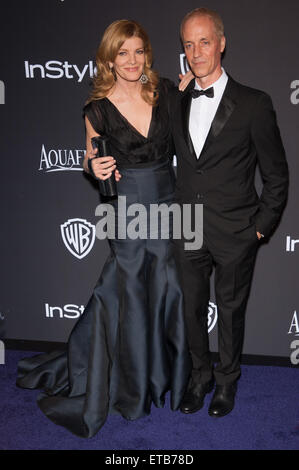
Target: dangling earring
143, 78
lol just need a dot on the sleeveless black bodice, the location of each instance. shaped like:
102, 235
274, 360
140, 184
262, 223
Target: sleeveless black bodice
127, 145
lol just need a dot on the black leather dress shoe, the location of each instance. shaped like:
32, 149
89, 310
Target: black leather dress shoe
194, 397
223, 400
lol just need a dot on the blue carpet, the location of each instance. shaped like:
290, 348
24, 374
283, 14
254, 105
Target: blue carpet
265, 417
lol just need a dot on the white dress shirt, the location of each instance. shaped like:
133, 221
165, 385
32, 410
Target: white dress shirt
202, 112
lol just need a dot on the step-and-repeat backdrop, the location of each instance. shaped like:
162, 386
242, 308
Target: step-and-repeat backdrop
51, 258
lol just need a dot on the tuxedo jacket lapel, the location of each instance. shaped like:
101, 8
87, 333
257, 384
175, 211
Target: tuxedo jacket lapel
185, 108
224, 111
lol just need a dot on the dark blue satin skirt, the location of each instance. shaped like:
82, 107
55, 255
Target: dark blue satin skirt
129, 346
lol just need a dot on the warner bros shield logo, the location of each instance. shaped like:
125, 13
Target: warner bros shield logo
212, 316
78, 236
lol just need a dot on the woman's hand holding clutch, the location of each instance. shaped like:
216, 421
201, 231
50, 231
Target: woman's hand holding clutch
103, 166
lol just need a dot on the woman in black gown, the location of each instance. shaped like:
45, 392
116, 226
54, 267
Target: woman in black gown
128, 348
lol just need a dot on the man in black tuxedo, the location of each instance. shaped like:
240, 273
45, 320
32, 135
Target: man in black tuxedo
221, 130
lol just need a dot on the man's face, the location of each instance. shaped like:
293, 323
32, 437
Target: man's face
203, 47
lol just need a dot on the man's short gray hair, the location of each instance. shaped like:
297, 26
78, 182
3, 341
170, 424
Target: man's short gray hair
213, 15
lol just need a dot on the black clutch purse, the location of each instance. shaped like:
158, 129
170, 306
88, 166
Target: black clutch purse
108, 186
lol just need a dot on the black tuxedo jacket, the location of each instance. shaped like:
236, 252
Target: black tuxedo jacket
244, 133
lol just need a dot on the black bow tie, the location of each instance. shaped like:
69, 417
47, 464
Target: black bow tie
196, 93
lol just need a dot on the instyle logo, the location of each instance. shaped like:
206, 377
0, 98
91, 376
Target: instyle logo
54, 69
212, 316
294, 330
184, 64
295, 94
61, 160
2, 92
78, 235
291, 244
67, 311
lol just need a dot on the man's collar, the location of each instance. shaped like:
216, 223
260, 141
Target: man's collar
219, 83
